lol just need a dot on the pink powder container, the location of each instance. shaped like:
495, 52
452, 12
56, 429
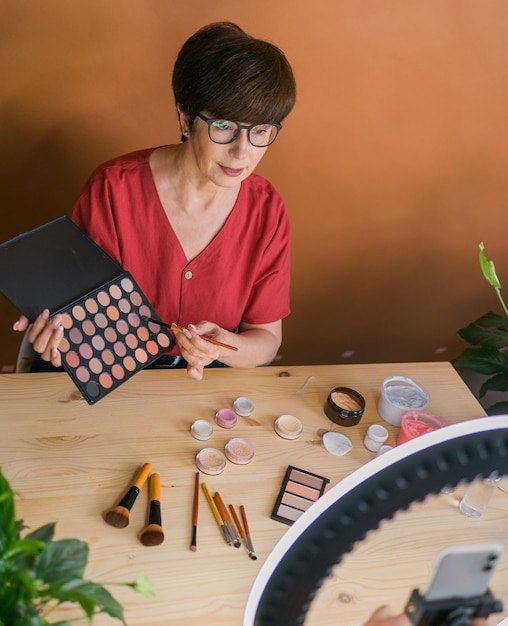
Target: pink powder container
210, 461
239, 451
225, 418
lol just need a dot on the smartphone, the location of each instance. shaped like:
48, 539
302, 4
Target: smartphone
462, 571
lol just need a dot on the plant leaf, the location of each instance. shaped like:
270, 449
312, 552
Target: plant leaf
44, 533
143, 585
482, 360
486, 332
8, 526
90, 595
500, 408
488, 269
496, 383
63, 559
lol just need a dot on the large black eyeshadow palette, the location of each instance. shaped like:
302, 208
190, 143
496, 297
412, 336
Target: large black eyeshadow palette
106, 336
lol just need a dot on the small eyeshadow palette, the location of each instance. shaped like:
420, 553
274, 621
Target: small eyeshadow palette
299, 490
106, 336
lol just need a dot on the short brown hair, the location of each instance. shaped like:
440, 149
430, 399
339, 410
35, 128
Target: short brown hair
231, 75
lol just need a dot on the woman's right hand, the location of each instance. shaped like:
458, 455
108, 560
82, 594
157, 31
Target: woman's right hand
44, 335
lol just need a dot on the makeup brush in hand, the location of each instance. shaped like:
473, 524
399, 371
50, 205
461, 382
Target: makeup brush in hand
118, 516
152, 534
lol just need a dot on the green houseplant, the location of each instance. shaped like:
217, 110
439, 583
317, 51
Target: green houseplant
489, 337
38, 574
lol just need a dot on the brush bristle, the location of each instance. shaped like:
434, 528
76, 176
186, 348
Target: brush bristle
152, 535
118, 516
193, 548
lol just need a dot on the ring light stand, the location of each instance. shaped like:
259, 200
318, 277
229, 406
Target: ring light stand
305, 555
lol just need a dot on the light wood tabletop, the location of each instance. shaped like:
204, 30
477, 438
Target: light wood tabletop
69, 461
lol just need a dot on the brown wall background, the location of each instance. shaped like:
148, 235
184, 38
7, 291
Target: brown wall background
393, 164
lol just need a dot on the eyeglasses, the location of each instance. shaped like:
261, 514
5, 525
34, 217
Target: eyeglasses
226, 131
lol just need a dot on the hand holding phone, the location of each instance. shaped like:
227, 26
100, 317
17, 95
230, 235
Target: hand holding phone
458, 588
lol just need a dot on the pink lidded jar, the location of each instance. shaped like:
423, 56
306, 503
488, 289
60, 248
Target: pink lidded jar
225, 418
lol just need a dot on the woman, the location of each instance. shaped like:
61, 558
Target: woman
205, 238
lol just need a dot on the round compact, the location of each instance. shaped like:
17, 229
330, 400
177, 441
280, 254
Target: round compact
202, 430
243, 406
288, 427
344, 406
225, 418
239, 451
210, 461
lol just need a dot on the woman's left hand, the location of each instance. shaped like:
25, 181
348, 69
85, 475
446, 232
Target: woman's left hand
197, 351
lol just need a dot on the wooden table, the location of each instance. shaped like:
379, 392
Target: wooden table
69, 461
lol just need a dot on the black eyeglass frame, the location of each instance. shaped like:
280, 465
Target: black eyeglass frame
211, 120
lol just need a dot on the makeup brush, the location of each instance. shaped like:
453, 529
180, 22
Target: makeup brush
226, 517
118, 516
152, 534
239, 527
193, 546
216, 514
248, 539
179, 329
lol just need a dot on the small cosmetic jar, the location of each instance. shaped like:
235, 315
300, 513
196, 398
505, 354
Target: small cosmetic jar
375, 437
288, 427
416, 423
384, 448
202, 430
239, 451
225, 418
243, 406
210, 461
398, 395
344, 406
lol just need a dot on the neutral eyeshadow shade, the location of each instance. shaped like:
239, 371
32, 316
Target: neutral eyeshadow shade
141, 355
98, 342
132, 341
105, 380
115, 292
86, 351
122, 327
288, 512
152, 347
64, 345
127, 284
75, 335
103, 298
78, 312
110, 334
101, 320
296, 502
88, 328
108, 357
82, 374
144, 311
124, 305
163, 340
302, 490
95, 365
67, 321
143, 333
133, 319
136, 298
129, 363
120, 349
118, 371
306, 479
91, 306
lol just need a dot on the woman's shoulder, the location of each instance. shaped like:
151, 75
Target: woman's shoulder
258, 188
131, 161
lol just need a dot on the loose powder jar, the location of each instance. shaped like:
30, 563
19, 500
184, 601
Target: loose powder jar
239, 451
288, 427
344, 406
201, 430
225, 418
210, 461
243, 406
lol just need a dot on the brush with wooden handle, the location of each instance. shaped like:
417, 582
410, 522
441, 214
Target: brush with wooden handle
118, 516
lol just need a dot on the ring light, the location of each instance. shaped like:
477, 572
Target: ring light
306, 554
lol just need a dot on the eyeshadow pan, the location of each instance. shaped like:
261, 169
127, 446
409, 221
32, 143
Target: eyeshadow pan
91, 306
72, 359
110, 334
98, 342
75, 335
127, 284
129, 363
83, 374
86, 350
122, 327
133, 319
115, 292
142, 333
299, 490
118, 371
88, 328
101, 320
113, 313
108, 357
124, 305
103, 298
79, 313
120, 348
132, 341
66, 321
64, 345
136, 298
95, 365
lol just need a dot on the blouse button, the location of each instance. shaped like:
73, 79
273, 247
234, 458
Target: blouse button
188, 275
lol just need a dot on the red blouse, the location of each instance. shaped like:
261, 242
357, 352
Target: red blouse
243, 273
